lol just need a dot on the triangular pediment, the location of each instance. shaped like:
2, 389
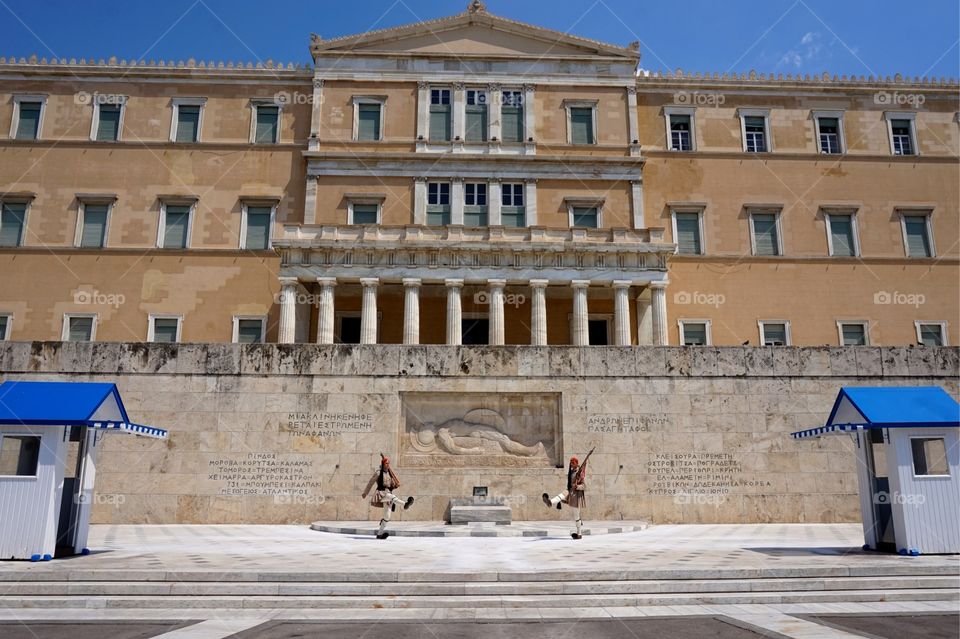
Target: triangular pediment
473, 33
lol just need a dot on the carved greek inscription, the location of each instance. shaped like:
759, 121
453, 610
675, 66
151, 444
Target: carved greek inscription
270, 474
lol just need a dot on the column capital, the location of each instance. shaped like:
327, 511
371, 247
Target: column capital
659, 284
453, 283
369, 281
459, 86
318, 83
327, 281
289, 281
631, 90
494, 86
412, 281
579, 283
423, 84
539, 283
530, 180
529, 87
622, 283
496, 283
420, 178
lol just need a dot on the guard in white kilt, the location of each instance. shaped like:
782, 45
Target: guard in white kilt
386, 482
575, 495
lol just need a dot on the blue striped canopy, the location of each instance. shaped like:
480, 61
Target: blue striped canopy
891, 407
66, 404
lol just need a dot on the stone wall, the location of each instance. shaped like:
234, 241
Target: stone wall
282, 434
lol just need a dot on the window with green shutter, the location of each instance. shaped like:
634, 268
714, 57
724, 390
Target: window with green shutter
774, 334
258, 228
586, 216
512, 210
918, 239
268, 124
249, 331
28, 124
4, 325
694, 334
474, 204
841, 235
80, 329
688, 237
165, 329
581, 125
440, 115
438, 203
12, 219
188, 123
476, 116
364, 214
853, 334
108, 126
176, 226
930, 335
368, 122
93, 233
765, 238
511, 117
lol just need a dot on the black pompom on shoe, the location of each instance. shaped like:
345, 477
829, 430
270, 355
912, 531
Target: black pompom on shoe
383, 535
409, 503
559, 505
546, 500
576, 535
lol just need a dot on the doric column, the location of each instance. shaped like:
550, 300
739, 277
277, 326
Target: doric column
420, 200
621, 312
493, 203
580, 324
530, 201
310, 200
538, 313
456, 201
496, 337
368, 316
644, 319
288, 310
325, 312
454, 314
636, 203
411, 310
315, 111
658, 295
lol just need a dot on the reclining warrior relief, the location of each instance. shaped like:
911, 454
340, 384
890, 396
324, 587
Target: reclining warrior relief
479, 432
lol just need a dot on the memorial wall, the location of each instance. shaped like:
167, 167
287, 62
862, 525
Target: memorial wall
291, 433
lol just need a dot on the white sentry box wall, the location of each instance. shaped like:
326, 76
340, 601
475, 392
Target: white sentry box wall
30, 506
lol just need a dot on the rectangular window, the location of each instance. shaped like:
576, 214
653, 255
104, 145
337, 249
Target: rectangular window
267, 129
853, 334
348, 329
5, 322
829, 135
755, 132
13, 216
581, 125
586, 217
108, 123
176, 226
368, 122
928, 334
438, 203
929, 456
440, 115
188, 123
364, 214
680, 133
474, 204
842, 235
512, 210
916, 234
694, 334
249, 330
511, 116
774, 334
19, 455
165, 329
902, 137
688, 237
28, 120
93, 231
598, 332
475, 331
476, 116
257, 233
766, 240
80, 328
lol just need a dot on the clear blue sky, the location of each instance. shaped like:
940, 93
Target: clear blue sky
860, 37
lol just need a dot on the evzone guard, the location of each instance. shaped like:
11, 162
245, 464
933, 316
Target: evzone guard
386, 482
575, 495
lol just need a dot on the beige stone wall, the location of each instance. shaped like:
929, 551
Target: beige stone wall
682, 435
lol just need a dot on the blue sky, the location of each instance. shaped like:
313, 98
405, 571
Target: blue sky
860, 37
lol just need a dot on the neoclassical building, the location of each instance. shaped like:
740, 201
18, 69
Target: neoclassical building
474, 180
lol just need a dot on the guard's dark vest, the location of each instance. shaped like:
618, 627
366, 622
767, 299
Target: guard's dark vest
571, 473
381, 483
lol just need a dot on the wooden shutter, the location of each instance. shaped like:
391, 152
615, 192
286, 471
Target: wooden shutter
368, 123
765, 234
165, 329
94, 231
918, 244
81, 329
267, 121
188, 123
440, 123
258, 227
249, 331
688, 234
581, 125
29, 124
11, 224
175, 229
841, 234
108, 128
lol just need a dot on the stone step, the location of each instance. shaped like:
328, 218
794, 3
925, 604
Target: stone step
155, 588
473, 601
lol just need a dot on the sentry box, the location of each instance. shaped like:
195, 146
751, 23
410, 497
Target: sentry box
49, 436
906, 445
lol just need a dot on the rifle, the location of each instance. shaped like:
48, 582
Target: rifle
582, 471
